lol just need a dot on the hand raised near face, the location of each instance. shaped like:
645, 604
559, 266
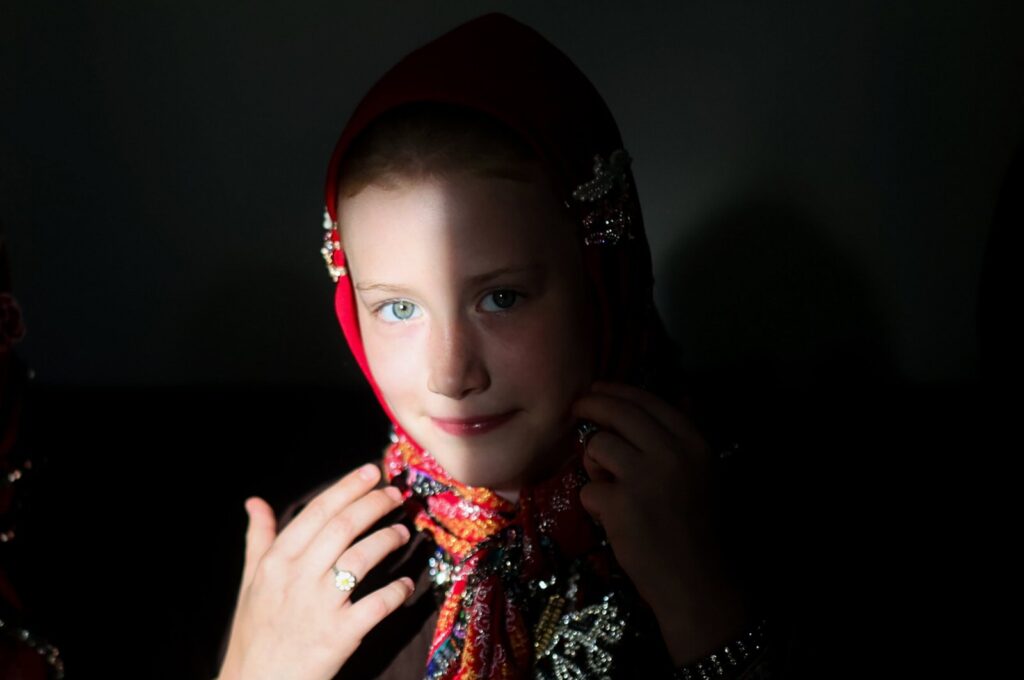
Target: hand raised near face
654, 489
291, 620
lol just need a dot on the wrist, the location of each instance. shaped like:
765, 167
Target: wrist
743, 655
701, 619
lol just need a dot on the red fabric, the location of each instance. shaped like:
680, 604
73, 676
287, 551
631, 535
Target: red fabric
499, 66
548, 527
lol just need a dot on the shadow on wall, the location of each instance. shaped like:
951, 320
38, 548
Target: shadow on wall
758, 296
786, 341
999, 335
858, 482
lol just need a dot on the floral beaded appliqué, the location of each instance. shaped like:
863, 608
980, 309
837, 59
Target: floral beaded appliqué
609, 220
581, 644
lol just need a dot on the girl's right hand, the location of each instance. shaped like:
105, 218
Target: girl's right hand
291, 621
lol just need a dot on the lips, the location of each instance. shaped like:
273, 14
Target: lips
470, 426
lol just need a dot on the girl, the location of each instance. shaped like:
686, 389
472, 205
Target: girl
545, 507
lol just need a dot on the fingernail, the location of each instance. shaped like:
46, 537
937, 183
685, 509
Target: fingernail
393, 492
368, 471
403, 530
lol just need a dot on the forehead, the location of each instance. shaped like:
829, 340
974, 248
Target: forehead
465, 219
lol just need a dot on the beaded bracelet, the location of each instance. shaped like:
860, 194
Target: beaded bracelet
724, 662
50, 654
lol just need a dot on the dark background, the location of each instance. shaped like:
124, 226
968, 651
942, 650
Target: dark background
820, 183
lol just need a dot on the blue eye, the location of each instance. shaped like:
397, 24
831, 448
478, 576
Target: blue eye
404, 306
503, 298
402, 310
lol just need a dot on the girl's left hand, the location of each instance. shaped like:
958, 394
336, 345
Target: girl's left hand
654, 489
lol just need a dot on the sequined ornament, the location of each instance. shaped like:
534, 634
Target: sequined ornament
609, 220
582, 644
331, 249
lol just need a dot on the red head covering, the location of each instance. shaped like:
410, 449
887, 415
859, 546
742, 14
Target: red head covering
503, 68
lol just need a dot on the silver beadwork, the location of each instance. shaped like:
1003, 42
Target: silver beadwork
38, 644
606, 175
724, 662
441, 568
582, 642
610, 220
331, 244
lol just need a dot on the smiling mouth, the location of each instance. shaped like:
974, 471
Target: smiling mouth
471, 426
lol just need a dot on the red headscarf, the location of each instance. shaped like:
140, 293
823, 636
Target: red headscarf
501, 67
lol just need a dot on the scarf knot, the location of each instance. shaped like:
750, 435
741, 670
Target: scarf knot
494, 559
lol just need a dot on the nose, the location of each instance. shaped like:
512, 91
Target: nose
455, 363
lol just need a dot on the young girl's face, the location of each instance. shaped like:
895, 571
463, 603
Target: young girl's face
472, 302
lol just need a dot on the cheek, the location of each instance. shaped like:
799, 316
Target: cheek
550, 349
392, 365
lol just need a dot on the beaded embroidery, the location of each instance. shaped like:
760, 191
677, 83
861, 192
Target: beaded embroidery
582, 643
332, 244
577, 644
609, 221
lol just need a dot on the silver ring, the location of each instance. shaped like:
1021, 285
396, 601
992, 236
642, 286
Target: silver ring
344, 580
585, 430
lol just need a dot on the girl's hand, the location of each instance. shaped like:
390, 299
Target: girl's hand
291, 621
654, 490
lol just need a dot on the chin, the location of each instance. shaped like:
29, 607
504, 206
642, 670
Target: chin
489, 461
472, 476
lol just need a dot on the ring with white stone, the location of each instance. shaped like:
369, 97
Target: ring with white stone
343, 580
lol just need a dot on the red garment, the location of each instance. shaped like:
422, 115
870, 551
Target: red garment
501, 67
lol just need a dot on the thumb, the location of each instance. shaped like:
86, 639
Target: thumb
595, 470
259, 535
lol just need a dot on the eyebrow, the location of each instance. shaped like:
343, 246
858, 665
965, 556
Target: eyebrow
474, 280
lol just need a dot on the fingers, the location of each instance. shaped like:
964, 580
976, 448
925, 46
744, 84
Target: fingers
595, 497
367, 553
259, 535
668, 416
299, 532
609, 456
624, 418
346, 526
363, 615
644, 421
